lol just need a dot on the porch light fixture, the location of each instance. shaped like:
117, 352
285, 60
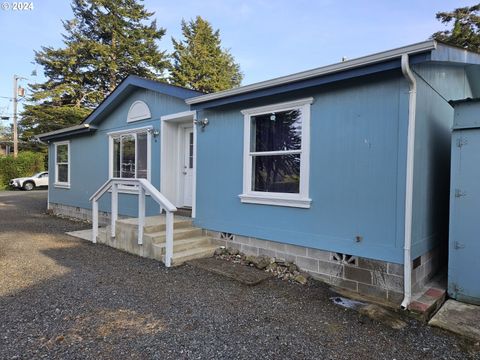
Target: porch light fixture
154, 132
203, 123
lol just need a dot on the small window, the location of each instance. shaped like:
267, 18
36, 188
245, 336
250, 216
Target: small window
130, 156
62, 164
276, 154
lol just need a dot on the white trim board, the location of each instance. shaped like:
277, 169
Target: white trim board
170, 126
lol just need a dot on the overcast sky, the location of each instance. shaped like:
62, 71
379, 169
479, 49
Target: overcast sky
268, 38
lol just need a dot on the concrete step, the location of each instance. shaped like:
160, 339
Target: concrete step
183, 244
181, 257
155, 228
178, 234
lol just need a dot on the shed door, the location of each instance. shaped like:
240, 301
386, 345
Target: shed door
464, 242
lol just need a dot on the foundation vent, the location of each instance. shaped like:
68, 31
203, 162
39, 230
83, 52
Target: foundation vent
227, 236
345, 259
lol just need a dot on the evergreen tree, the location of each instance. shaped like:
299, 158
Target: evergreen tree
199, 61
465, 31
106, 41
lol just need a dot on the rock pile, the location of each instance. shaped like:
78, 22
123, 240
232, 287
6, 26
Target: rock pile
281, 269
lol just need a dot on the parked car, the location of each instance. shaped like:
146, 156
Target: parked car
30, 183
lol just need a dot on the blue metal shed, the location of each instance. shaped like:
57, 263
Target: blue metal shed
464, 243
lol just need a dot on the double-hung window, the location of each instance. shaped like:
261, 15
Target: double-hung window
276, 154
62, 164
130, 154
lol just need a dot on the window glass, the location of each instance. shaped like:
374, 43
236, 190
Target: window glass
62, 175
276, 173
142, 146
128, 156
62, 163
62, 153
116, 157
190, 151
276, 131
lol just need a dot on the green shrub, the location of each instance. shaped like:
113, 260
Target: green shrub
27, 163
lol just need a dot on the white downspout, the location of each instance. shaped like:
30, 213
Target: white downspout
407, 266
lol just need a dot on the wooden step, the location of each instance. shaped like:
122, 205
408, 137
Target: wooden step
183, 244
178, 234
196, 253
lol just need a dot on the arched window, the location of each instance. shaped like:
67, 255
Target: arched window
138, 111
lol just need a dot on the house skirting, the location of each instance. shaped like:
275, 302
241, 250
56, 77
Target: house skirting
373, 278
79, 213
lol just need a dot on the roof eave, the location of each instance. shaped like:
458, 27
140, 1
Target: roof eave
325, 70
66, 133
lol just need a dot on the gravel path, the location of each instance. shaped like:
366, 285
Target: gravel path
62, 298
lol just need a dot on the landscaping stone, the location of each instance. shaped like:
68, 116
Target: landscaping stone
284, 270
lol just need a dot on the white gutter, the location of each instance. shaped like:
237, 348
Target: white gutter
412, 103
321, 71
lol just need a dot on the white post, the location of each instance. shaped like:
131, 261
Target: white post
94, 221
141, 213
169, 239
114, 208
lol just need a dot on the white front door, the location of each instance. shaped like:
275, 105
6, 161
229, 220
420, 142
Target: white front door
187, 166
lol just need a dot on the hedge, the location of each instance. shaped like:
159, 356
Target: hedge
27, 163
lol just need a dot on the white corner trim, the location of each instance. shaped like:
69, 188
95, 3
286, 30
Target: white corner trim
194, 175
139, 110
275, 200
278, 107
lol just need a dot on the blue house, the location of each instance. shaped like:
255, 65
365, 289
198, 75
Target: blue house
342, 169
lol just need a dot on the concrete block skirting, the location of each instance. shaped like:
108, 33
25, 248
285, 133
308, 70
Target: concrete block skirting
79, 213
373, 278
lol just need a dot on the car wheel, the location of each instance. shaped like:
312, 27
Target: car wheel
28, 186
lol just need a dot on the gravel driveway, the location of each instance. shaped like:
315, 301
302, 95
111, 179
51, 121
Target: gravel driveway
62, 298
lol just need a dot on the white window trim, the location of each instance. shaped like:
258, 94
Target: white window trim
62, 184
111, 135
301, 199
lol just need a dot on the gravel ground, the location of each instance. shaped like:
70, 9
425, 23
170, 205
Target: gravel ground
62, 298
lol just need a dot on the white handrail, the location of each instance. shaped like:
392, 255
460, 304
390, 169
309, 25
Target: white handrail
145, 188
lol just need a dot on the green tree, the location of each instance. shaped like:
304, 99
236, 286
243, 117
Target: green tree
200, 62
465, 30
106, 41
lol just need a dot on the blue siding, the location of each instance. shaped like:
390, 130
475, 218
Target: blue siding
434, 118
89, 155
358, 142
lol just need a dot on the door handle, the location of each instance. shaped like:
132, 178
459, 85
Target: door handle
184, 172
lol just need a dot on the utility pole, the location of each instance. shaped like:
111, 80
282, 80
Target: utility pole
15, 134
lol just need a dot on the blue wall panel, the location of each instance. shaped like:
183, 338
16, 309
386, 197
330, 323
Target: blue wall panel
436, 85
357, 164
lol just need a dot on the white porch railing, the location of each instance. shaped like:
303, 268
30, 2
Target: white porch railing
144, 188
